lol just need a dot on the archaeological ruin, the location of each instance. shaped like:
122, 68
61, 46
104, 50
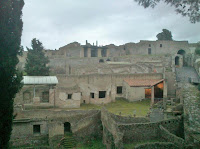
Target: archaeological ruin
163, 72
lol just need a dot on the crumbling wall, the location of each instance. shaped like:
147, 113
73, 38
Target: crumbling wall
119, 130
170, 137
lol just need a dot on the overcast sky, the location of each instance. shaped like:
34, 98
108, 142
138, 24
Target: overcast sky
59, 22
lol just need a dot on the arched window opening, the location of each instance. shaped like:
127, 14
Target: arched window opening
67, 127
181, 52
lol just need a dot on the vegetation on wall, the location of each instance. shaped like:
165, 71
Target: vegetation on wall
36, 62
10, 39
164, 35
197, 50
189, 8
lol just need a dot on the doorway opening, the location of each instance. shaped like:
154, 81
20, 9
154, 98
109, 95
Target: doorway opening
67, 127
158, 90
148, 93
177, 61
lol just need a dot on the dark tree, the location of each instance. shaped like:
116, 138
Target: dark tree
36, 62
188, 8
197, 50
164, 35
10, 79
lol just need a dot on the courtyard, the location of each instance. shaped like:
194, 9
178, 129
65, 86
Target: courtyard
123, 107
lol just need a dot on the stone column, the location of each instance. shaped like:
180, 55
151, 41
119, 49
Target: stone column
152, 95
52, 96
107, 53
165, 88
89, 52
99, 53
82, 52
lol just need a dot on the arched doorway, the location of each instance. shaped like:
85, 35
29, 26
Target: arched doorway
181, 52
67, 127
177, 61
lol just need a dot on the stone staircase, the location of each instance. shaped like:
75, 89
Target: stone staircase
185, 73
68, 141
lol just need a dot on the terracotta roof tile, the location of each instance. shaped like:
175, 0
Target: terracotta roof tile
142, 82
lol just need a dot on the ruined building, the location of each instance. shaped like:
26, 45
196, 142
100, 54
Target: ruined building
92, 74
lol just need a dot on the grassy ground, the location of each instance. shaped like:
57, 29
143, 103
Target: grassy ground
132, 145
140, 108
94, 144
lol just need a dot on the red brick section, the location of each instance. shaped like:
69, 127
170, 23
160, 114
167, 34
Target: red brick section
142, 82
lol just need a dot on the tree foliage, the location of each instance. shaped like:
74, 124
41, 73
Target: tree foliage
188, 8
197, 50
164, 35
10, 79
36, 62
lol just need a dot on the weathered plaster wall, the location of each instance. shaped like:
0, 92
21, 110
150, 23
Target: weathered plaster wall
94, 83
84, 125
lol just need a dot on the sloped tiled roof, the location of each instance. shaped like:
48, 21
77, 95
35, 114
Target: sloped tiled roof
142, 82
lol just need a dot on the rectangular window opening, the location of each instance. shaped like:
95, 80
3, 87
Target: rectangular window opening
102, 94
161, 45
91, 95
36, 129
69, 96
149, 45
45, 96
119, 89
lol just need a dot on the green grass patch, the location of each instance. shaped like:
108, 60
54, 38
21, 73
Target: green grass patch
140, 108
132, 145
93, 144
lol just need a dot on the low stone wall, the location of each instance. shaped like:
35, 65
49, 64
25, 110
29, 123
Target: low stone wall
129, 119
88, 127
29, 141
112, 137
169, 137
147, 131
156, 145
83, 124
119, 130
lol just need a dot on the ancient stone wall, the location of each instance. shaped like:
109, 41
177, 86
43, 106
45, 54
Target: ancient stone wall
170, 137
129, 131
84, 125
93, 84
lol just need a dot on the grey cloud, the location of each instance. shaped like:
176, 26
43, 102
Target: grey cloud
57, 23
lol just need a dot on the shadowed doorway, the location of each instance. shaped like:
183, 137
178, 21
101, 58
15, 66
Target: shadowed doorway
67, 127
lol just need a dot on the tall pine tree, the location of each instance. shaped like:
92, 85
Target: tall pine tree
36, 62
10, 40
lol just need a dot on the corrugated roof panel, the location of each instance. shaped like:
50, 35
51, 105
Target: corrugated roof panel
40, 80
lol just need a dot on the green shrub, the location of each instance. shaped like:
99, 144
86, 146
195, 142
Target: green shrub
197, 51
199, 87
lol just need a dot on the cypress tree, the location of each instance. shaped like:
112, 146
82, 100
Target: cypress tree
36, 62
10, 40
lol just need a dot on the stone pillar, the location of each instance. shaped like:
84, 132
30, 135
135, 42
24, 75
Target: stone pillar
89, 52
52, 96
152, 95
82, 52
107, 52
165, 88
99, 53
